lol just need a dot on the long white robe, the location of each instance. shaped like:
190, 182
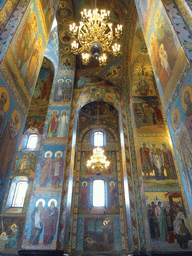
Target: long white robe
62, 127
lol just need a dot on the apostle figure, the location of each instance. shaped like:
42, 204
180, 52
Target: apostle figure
168, 162
146, 165
59, 91
57, 171
62, 127
8, 145
51, 216
23, 164
26, 39
112, 194
67, 90
84, 195
46, 169
161, 219
181, 229
52, 124
32, 161
13, 237
3, 240
157, 161
37, 219
183, 148
3, 101
188, 113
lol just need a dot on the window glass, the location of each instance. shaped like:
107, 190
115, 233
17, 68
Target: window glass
20, 192
98, 193
32, 141
98, 139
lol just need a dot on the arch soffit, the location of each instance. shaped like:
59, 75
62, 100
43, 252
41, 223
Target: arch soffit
109, 95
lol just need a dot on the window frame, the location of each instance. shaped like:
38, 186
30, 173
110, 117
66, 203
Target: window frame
93, 137
104, 193
16, 192
13, 189
32, 135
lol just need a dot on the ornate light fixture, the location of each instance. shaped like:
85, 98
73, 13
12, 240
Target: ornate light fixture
94, 36
98, 162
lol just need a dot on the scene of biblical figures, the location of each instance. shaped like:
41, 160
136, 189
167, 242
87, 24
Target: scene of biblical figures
10, 233
180, 118
168, 224
8, 142
43, 223
26, 52
164, 55
52, 169
148, 115
4, 106
63, 90
157, 161
98, 234
58, 123
25, 164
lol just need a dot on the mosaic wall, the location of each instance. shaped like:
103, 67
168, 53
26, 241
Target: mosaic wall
161, 180
25, 161
100, 226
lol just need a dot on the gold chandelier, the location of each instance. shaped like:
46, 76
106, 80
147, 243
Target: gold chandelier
98, 162
94, 36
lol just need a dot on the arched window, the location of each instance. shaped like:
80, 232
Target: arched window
98, 139
30, 139
98, 193
17, 192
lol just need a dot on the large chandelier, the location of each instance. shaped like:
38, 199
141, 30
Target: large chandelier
94, 36
98, 162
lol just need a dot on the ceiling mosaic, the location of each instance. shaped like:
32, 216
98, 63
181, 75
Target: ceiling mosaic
98, 113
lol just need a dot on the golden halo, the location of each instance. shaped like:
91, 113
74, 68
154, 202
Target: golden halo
13, 226
158, 202
64, 111
85, 183
153, 142
3, 234
60, 80
7, 104
162, 144
56, 111
52, 200
14, 113
40, 200
175, 111
68, 80
145, 143
112, 182
189, 89
48, 152
58, 152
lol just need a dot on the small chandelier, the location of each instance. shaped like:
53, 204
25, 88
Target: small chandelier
98, 162
94, 36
